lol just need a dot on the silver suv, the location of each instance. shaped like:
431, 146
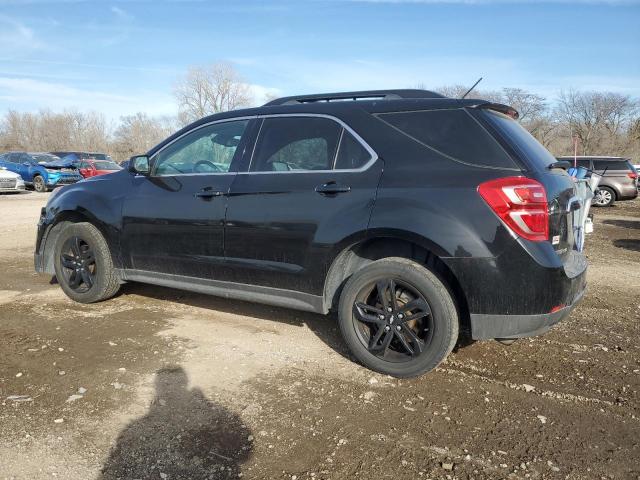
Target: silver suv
619, 178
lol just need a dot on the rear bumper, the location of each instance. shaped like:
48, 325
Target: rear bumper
628, 192
522, 292
484, 327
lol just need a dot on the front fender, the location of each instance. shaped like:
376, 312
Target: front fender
92, 202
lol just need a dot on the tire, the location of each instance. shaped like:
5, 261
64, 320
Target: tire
604, 197
83, 264
39, 184
433, 335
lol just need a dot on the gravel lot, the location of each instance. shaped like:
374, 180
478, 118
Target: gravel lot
163, 384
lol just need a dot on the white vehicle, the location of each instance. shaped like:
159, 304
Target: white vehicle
10, 182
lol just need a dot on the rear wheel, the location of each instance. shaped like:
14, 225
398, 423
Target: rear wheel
604, 197
83, 264
398, 318
38, 184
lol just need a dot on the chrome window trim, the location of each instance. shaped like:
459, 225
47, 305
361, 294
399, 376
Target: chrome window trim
367, 147
204, 125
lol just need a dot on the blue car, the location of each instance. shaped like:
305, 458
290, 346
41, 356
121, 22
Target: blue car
43, 171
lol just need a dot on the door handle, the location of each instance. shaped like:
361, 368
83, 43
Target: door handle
332, 188
208, 194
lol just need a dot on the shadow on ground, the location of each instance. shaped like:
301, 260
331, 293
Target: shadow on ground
628, 243
183, 435
632, 224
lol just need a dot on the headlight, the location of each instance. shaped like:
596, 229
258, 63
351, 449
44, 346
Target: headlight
19, 181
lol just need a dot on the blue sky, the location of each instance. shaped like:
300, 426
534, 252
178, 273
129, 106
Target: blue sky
120, 57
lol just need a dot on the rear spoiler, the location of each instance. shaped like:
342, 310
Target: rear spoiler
499, 107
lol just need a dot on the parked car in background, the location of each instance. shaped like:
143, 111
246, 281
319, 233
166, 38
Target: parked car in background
84, 155
619, 178
43, 171
10, 181
92, 168
411, 215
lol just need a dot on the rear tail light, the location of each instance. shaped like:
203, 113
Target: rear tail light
521, 203
632, 175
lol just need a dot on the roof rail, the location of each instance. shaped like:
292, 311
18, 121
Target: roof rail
361, 95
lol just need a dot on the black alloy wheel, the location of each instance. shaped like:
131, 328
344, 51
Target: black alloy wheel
394, 320
78, 264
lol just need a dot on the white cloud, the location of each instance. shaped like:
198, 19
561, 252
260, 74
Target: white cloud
17, 37
30, 94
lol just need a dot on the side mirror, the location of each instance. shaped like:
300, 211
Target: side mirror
140, 165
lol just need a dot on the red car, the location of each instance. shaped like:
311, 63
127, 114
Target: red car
90, 168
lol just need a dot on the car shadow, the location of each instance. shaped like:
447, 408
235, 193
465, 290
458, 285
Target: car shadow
183, 435
633, 224
628, 243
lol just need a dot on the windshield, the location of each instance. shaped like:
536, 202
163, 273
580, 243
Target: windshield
106, 165
533, 152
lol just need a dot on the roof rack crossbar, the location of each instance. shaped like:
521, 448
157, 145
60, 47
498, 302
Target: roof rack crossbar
360, 95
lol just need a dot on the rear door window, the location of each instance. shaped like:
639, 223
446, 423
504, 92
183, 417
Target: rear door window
351, 153
288, 144
600, 166
453, 133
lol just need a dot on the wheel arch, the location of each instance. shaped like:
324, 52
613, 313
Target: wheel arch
56, 226
356, 255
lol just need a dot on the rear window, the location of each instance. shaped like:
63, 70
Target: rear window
527, 146
601, 165
453, 133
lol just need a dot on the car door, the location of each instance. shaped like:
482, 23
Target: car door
173, 219
311, 184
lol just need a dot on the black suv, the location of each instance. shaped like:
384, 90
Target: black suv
413, 216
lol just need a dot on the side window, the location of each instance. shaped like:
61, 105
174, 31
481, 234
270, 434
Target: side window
584, 163
296, 144
351, 153
608, 165
207, 150
453, 133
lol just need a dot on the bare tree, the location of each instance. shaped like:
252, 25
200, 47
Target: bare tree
596, 118
138, 133
212, 89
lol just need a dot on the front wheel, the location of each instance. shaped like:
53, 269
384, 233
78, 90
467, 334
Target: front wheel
83, 264
39, 185
398, 318
604, 197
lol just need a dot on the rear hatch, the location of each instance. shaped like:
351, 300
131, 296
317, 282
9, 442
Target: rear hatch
565, 204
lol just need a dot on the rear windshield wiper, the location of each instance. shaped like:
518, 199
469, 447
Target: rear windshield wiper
564, 164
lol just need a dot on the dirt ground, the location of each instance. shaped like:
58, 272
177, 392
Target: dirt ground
162, 384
